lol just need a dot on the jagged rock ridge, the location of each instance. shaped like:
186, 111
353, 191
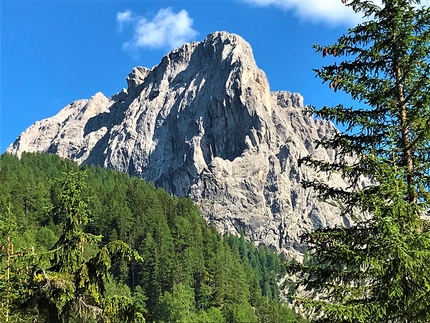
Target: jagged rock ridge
204, 124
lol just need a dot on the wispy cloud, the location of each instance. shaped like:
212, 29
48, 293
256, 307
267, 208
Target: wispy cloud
165, 29
333, 12
123, 18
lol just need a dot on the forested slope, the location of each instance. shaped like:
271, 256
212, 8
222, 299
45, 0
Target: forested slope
189, 272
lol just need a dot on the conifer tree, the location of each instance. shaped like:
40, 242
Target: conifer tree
376, 270
73, 287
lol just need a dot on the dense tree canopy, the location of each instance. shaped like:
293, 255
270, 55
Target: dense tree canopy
188, 272
377, 269
61, 284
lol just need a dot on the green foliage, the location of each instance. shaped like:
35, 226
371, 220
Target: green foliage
67, 253
14, 271
60, 285
178, 306
45, 238
268, 266
376, 270
188, 271
74, 286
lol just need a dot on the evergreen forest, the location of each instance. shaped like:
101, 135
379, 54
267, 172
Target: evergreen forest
85, 244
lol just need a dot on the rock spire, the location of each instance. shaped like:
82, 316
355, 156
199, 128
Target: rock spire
204, 124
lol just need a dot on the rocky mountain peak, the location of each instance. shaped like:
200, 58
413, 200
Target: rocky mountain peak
204, 124
136, 77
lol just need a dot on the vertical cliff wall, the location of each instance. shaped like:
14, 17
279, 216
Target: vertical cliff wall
204, 124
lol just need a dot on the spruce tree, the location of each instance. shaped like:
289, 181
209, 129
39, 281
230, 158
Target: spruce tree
73, 287
376, 270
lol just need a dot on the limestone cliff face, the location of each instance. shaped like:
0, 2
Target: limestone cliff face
204, 124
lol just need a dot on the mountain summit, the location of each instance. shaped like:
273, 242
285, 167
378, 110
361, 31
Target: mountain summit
203, 124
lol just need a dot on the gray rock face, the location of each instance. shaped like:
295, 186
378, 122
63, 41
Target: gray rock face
204, 124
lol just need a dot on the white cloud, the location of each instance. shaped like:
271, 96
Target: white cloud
166, 29
330, 11
123, 18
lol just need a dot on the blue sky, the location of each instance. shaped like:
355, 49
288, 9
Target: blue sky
55, 52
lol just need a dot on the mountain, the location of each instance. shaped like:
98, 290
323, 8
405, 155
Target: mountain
203, 123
